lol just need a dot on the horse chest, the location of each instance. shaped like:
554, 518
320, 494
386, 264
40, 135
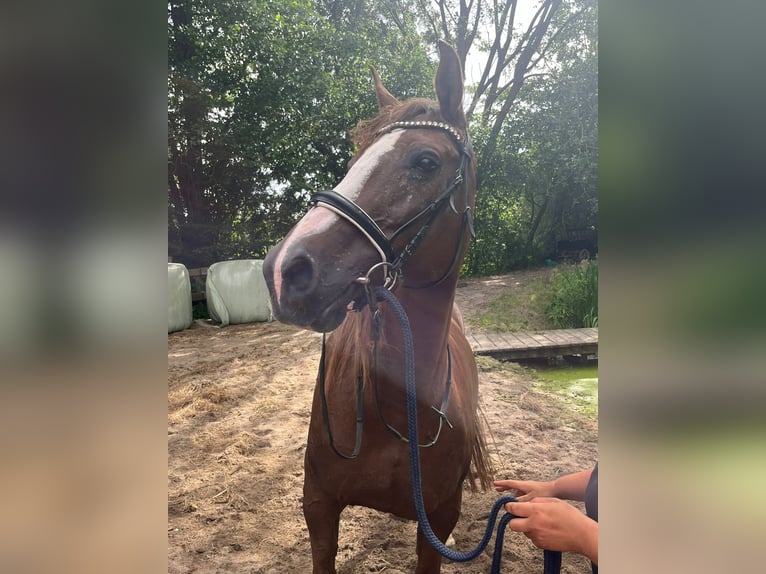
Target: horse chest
380, 477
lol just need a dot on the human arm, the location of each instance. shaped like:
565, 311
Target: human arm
552, 524
570, 486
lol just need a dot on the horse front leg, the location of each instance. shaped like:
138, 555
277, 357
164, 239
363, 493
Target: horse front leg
443, 520
322, 516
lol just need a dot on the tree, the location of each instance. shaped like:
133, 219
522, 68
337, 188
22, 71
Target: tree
558, 130
261, 95
513, 49
235, 99
539, 177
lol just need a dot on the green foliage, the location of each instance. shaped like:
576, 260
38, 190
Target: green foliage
562, 298
261, 95
574, 296
540, 179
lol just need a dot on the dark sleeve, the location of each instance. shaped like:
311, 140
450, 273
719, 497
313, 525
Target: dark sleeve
591, 495
591, 502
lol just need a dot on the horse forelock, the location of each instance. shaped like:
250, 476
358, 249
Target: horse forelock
365, 132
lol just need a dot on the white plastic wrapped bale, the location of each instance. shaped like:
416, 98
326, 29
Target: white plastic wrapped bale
236, 292
179, 298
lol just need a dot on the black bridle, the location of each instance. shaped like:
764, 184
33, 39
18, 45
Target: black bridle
392, 264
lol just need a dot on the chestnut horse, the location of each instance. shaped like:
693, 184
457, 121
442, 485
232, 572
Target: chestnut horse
402, 218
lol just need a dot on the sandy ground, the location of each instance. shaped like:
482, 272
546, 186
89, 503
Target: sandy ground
239, 400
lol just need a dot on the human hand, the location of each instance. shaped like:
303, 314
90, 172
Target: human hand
526, 489
552, 524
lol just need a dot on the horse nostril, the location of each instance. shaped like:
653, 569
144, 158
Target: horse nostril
299, 275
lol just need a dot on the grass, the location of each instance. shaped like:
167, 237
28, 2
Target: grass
519, 309
564, 299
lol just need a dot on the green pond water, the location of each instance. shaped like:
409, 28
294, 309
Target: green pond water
577, 384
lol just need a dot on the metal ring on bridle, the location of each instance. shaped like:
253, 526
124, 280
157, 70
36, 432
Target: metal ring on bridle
390, 279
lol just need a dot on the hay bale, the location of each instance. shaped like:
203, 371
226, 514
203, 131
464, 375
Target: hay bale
237, 293
179, 298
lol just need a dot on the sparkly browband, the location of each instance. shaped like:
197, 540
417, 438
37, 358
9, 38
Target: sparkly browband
422, 124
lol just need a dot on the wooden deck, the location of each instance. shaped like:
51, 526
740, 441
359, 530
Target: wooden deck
539, 344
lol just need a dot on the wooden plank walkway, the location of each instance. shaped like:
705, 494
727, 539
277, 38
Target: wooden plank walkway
539, 344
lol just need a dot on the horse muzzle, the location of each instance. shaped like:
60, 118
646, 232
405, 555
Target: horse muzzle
301, 294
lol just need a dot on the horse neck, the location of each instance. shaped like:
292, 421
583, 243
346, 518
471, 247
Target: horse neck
429, 312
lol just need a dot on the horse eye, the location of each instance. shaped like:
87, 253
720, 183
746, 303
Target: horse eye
426, 162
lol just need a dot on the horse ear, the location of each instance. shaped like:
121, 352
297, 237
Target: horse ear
449, 85
384, 96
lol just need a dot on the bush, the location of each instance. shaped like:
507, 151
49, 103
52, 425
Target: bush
574, 296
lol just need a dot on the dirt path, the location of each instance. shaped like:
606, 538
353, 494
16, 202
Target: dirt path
238, 410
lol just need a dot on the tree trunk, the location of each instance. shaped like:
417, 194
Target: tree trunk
536, 223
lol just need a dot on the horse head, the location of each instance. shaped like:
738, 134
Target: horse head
401, 216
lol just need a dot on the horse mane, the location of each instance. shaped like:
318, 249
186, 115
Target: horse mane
353, 350
353, 344
366, 131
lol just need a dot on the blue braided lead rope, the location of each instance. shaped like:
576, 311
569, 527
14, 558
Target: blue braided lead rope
552, 560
